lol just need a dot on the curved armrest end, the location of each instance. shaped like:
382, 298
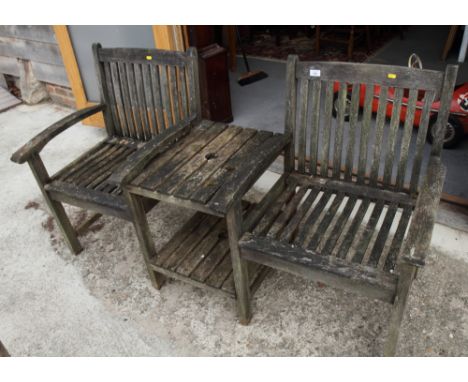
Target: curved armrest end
36, 144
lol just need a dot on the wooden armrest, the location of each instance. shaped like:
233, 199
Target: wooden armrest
139, 159
36, 144
423, 219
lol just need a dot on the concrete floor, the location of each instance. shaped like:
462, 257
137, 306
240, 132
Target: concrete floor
261, 104
101, 302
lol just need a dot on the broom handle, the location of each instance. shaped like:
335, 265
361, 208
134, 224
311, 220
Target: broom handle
242, 49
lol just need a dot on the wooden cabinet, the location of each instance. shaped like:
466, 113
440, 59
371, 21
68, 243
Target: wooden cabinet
214, 83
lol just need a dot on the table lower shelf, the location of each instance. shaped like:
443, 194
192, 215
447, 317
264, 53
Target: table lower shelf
199, 255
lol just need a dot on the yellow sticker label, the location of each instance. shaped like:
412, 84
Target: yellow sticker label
149, 58
391, 75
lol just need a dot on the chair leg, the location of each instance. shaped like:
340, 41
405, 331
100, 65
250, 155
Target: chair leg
144, 236
56, 208
407, 274
239, 266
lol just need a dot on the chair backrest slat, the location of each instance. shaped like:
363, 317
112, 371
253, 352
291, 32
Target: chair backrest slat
421, 139
315, 123
365, 129
354, 146
326, 131
302, 131
147, 91
341, 108
405, 141
392, 134
353, 130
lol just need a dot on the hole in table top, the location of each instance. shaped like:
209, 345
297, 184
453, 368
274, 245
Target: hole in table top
210, 156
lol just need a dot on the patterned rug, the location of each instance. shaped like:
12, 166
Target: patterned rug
263, 44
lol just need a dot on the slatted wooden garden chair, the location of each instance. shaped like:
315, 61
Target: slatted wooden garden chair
149, 99
340, 213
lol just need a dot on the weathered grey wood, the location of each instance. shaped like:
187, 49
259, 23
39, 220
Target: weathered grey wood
450, 77
310, 265
50, 73
338, 147
103, 91
339, 226
386, 75
291, 228
170, 168
142, 105
171, 184
126, 132
290, 115
420, 231
127, 107
182, 91
220, 176
165, 97
391, 137
208, 167
137, 161
58, 212
406, 138
397, 241
353, 124
107, 204
176, 240
175, 152
366, 235
254, 216
239, 266
288, 211
407, 274
265, 223
151, 109
194, 85
144, 236
138, 55
353, 229
314, 132
420, 141
355, 189
189, 243
326, 131
137, 118
174, 94
302, 133
46, 53
36, 144
198, 254
379, 126
112, 100
255, 165
308, 228
319, 234
42, 33
365, 129
379, 244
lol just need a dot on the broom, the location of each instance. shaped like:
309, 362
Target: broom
248, 77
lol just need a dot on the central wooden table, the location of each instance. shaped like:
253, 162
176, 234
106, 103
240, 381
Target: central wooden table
208, 170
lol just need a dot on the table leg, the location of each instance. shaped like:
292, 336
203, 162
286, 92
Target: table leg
144, 236
239, 266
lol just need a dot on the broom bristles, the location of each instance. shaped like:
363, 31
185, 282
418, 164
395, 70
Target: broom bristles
250, 77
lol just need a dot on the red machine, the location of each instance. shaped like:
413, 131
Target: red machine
457, 125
